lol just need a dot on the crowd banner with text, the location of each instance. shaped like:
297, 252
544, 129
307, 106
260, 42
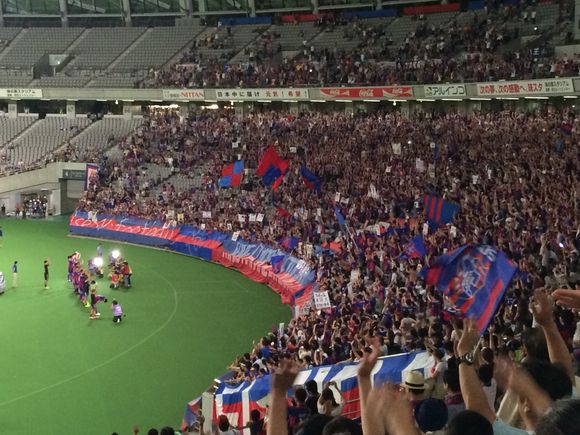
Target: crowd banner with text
444, 91
542, 87
250, 94
91, 172
295, 278
237, 401
183, 94
18, 93
369, 92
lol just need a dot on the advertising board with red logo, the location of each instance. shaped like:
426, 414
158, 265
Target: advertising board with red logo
378, 92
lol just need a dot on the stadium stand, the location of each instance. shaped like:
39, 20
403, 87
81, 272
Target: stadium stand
374, 288
37, 142
97, 138
31, 44
514, 174
456, 45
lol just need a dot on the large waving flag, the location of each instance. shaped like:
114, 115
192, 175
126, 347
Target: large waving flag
272, 168
438, 211
415, 248
474, 279
311, 180
232, 174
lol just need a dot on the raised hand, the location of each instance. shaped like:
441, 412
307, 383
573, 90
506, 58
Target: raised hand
541, 308
368, 361
283, 378
469, 337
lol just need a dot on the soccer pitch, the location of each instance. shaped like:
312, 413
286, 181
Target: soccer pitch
62, 373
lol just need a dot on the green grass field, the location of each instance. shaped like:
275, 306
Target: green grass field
61, 373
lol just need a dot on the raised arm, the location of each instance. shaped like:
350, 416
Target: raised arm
282, 380
365, 367
471, 389
567, 298
557, 349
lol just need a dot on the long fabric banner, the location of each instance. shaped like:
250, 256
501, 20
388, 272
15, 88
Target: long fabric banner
237, 401
294, 278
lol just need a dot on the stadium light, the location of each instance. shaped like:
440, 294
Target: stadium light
115, 254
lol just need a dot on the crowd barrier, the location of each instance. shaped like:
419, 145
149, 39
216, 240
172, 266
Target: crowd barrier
294, 282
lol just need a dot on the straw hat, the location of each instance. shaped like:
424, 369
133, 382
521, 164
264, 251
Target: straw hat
414, 380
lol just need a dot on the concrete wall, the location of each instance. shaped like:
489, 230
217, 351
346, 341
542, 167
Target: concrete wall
47, 180
568, 50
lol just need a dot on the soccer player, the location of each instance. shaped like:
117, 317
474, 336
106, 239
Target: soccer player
1, 236
46, 266
117, 312
94, 299
15, 274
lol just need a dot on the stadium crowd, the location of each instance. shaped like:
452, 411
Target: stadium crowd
515, 176
481, 49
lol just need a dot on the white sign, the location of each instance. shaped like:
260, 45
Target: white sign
397, 148
20, 93
261, 94
184, 94
321, 300
305, 308
525, 87
235, 236
419, 165
242, 218
252, 217
260, 217
206, 214
444, 90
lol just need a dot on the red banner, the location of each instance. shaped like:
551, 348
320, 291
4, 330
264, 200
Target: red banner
431, 9
371, 92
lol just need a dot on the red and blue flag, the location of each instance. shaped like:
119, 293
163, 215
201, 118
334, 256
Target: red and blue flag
277, 261
474, 279
289, 242
272, 168
438, 211
311, 180
232, 174
415, 248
